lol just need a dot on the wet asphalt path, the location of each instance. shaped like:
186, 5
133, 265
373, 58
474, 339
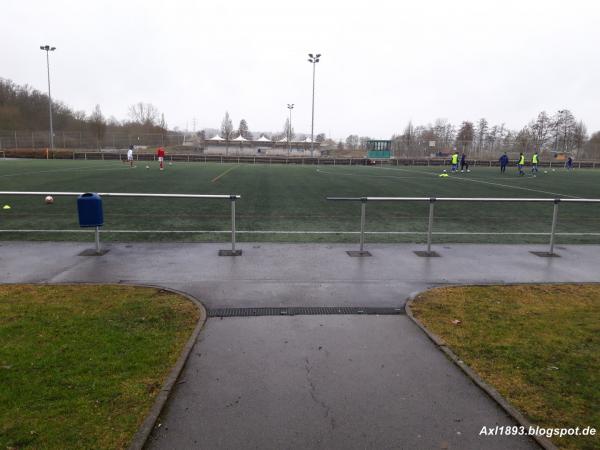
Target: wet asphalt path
312, 381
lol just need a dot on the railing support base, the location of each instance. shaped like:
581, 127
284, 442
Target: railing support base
546, 254
426, 254
358, 253
93, 252
230, 253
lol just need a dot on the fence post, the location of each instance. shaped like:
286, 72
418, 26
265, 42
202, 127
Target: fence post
553, 229
232, 223
233, 251
97, 239
430, 225
363, 213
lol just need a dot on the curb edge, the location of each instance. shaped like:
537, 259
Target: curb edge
542, 441
144, 431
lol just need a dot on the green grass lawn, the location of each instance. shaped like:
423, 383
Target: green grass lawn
539, 346
292, 198
81, 365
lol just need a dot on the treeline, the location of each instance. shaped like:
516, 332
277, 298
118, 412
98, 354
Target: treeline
558, 133
24, 108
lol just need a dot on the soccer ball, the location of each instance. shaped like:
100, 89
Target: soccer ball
147, 167
444, 170
468, 170
49, 200
545, 171
553, 170
170, 163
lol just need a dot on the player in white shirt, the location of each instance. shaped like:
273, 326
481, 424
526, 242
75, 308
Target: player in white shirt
130, 156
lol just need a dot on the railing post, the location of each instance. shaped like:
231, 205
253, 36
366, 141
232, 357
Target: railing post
233, 251
429, 252
430, 225
232, 224
97, 238
553, 229
363, 213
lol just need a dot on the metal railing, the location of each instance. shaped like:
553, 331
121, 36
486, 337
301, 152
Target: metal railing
232, 198
433, 200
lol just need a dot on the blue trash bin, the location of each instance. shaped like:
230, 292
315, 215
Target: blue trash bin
89, 207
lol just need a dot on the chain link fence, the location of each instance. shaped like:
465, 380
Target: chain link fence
10, 140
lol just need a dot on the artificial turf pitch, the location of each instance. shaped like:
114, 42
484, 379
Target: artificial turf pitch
282, 202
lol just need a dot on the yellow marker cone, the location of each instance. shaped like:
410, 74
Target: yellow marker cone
6, 207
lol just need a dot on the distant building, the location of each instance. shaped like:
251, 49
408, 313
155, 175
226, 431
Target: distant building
259, 147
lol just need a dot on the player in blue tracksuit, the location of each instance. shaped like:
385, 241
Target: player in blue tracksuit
569, 164
503, 163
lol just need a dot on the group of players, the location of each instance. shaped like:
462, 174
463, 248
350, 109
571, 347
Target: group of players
504, 162
160, 154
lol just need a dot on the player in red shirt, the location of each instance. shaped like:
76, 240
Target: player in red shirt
160, 152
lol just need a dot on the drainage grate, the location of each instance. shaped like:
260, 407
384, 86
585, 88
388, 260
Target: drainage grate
302, 311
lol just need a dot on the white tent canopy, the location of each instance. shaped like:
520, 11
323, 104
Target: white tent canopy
264, 139
240, 138
216, 138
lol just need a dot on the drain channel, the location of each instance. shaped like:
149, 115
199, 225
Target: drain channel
302, 311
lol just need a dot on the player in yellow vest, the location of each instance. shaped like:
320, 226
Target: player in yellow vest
534, 163
454, 161
521, 163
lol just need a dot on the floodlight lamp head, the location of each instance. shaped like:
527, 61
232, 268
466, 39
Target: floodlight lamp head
52, 49
310, 54
42, 47
318, 55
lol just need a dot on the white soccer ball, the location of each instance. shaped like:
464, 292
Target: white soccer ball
170, 163
545, 171
468, 170
49, 200
147, 167
444, 170
553, 170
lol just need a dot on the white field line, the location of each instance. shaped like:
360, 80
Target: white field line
446, 233
474, 180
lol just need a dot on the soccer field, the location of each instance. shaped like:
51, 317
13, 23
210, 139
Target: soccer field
287, 203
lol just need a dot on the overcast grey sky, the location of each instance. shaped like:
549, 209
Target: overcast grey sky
384, 62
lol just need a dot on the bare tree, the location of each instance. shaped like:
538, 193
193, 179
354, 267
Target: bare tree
352, 142
98, 125
144, 114
541, 129
482, 130
226, 129
464, 138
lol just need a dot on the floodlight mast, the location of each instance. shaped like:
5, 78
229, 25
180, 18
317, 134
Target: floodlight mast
313, 59
49, 49
290, 107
